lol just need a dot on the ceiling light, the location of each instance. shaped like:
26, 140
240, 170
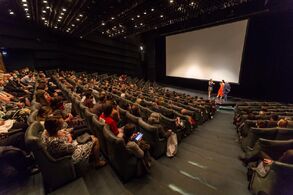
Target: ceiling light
44, 11
171, 1
28, 16
103, 32
141, 24
135, 26
132, 18
72, 24
60, 17
192, 3
80, 37
80, 15
64, 9
26, 9
24, 1
44, 1
47, 7
161, 16
24, 5
138, 16
112, 18
59, 20
61, 13
43, 18
77, 19
144, 13
55, 26
11, 12
152, 9
103, 24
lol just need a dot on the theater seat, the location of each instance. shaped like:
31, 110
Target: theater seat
98, 132
254, 134
275, 148
151, 136
55, 172
130, 118
124, 163
277, 182
32, 117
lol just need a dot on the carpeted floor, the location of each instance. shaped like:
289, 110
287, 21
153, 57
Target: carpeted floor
206, 163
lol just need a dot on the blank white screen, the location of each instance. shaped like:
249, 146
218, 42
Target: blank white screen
214, 52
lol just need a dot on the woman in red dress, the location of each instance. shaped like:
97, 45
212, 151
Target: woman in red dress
221, 90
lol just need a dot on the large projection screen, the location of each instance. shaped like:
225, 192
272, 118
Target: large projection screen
210, 53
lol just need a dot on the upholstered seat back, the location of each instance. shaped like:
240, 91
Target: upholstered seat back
119, 157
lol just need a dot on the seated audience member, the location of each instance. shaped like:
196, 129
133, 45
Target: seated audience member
137, 147
28, 79
135, 110
108, 119
154, 119
43, 113
190, 119
261, 124
88, 100
282, 123
43, 98
60, 143
98, 107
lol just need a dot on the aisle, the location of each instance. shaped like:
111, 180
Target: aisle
205, 164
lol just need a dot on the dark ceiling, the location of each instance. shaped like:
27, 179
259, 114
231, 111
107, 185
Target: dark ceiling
117, 18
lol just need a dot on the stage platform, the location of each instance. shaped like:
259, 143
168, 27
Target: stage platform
232, 101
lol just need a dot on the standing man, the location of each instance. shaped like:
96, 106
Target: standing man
227, 89
210, 88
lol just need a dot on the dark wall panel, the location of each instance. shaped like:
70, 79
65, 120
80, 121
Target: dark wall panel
35, 47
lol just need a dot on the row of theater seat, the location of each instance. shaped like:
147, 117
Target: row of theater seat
270, 142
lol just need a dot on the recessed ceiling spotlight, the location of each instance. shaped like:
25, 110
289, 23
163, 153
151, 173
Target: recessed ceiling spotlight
132, 18
124, 37
161, 16
77, 19
72, 24
28, 16
55, 27
80, 37
47, 7
44, 11
61, 13
44, 1
59, 20
135, 26
43, 18
112, 18
144, 13
26, 9
80, 15
24, 5
60, 17
141, 24
24, 1
63, 9
192, 3
152, 9
171, 1
138, 16
103, 23
103, 32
